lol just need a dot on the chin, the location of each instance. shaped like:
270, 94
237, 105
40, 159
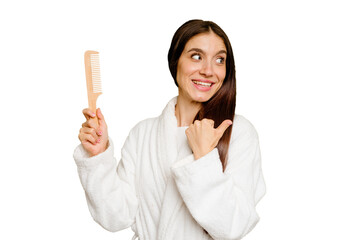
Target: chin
201, 97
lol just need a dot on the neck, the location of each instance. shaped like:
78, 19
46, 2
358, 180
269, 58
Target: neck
186, 111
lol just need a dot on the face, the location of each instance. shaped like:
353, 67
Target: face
201, 67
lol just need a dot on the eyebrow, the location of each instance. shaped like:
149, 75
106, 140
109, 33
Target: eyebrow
201, 51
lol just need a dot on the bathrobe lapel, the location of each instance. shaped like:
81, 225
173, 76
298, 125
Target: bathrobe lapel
167, 147
174, 216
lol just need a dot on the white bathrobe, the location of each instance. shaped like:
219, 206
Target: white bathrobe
160, 191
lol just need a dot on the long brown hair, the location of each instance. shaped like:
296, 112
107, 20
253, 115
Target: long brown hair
221, 106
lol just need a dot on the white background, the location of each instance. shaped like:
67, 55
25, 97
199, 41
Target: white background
300, 73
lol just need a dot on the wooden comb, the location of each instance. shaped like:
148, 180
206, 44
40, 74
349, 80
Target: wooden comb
93, 79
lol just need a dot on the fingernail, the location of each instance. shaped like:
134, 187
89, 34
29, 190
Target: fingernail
93, 115
98, 140
100, 133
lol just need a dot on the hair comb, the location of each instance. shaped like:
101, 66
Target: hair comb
93, 79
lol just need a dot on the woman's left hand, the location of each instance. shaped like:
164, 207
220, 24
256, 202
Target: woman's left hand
203, 137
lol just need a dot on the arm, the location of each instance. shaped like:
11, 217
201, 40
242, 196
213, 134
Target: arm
109, 187
223, 203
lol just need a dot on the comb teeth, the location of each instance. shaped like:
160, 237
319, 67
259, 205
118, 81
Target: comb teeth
95, 70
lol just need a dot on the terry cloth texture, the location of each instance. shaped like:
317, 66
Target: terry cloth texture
161, 192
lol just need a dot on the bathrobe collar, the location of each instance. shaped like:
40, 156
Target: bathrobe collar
167, 142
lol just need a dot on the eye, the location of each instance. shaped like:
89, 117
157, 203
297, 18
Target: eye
220, 60
196, 56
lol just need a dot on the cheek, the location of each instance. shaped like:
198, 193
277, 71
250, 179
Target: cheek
221, 73
218, 86
185, 70
179, 74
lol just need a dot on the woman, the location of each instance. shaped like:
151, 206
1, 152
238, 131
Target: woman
194, 172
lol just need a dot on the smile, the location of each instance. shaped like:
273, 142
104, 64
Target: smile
204, 84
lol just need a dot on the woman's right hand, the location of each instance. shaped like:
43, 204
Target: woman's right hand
93, 138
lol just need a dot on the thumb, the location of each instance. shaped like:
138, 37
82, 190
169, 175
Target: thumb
101, 118
223, 126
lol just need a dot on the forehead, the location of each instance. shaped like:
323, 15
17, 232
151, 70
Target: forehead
206, 41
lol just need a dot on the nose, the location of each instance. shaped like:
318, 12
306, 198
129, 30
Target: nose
206, 69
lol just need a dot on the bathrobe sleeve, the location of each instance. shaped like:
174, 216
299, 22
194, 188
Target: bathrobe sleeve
223, 203
109, 187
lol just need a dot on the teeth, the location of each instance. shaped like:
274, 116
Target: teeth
202, 83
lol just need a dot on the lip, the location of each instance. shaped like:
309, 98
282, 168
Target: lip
202, 88
203, 80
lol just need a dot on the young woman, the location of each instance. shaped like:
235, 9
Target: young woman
192, 173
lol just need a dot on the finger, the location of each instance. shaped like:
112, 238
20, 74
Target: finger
209, 121
101, 118
197, 122
85, 124
212, 122
88, 137
88, 113
223, 126
91, 123
91, 131
99, 114
88, 123
87, 145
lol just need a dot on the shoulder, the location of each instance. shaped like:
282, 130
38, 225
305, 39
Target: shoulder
139, 132
243, 128
144, 125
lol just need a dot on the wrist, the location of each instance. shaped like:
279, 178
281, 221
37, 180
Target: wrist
197, 153
200, 154
196, 156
